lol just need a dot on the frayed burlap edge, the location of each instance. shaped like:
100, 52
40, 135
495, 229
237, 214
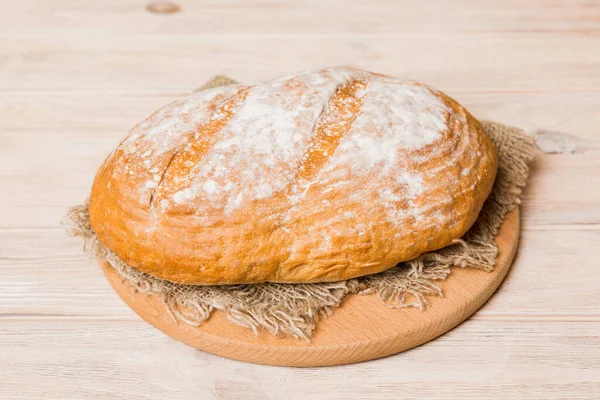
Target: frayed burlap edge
294, 309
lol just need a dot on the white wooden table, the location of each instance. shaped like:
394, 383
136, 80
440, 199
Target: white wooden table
76, 75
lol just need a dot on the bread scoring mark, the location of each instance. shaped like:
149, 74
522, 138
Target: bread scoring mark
162, 177
176, 173
149, 146
397, 118
333, 123
166, 128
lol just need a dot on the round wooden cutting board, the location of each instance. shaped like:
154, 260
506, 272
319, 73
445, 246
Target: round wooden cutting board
363, 328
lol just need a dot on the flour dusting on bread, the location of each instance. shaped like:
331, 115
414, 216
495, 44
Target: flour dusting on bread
267, 139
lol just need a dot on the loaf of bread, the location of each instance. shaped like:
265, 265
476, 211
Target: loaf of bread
320, 176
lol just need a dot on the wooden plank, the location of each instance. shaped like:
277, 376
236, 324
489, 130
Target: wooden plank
562, 189
45, 172
574, 114
480, 62
130, 360
334, 17
43, 273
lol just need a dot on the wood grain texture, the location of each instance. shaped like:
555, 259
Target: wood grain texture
275, 17
539, 62
124, 360
362, 329
76, 75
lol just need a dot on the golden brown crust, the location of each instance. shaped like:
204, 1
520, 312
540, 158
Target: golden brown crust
322, 176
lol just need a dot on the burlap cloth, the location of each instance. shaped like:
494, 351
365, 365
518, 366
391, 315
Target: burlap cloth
295, 309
